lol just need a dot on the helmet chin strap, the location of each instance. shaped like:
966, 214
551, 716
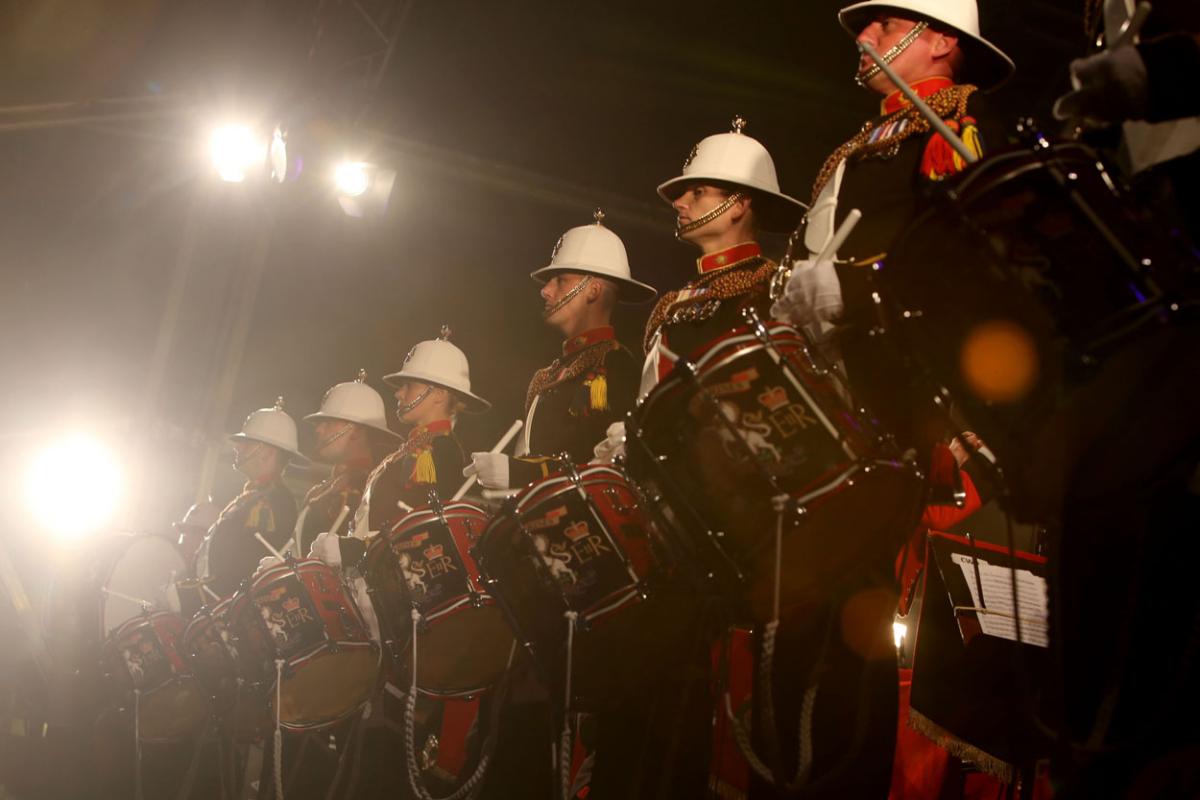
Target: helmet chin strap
335, 437
865, 76
695, 224
401, 410
568, 297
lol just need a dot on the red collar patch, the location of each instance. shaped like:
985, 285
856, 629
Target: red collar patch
439, 427
924, 87
587, 339
727, 257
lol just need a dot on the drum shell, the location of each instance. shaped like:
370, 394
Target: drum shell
424, 562
298, 621
1045, 243
142, 656
579, 542
754, 416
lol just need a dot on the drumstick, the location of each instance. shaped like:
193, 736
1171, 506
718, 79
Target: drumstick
267, 545
211, 593
934, 119
130, 598
500, 445
1132, 26
337, 523
829, 251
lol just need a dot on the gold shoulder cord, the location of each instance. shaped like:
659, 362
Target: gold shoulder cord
723, 285
585, 360
948, 103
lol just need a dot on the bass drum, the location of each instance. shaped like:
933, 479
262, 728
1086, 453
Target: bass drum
1012, 297
424, 562
116, 593
753, 435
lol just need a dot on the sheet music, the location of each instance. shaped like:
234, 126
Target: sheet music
997, 599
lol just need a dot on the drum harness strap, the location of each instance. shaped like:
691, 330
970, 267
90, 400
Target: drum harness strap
565, 745
472, 783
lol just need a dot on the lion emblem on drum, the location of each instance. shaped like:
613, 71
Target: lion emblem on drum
554, 560
414, 575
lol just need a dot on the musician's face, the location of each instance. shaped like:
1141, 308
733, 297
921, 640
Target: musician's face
555, 291
883, 33
256, 460
333, 438
696, 200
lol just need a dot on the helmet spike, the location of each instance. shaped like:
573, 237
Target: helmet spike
361, 377
445, 333
279, 403
739, 123
598, 215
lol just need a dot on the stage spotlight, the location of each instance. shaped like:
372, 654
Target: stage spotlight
363, 189
352, 178
236, 151
73, 486
278, 155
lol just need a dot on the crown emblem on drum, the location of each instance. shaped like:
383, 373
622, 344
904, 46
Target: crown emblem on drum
433, 551
291, 604
774, 398
577, 530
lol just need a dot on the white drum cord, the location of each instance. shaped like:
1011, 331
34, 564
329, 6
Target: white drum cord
278, 754
137, 744
741, 733
473, 783
565, 745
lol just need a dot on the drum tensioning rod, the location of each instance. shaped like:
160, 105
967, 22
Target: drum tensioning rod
934, 120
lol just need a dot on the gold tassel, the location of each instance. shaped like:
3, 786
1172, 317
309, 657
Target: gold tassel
970, 137
424, 470
598, 387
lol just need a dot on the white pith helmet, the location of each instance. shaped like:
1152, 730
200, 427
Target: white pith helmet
743, 161
595, 250
354, 401
438, 362
986, 65
272, 426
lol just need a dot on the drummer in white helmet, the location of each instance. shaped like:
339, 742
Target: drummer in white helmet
725, 195
352, 435
431, 389
570, 403
887, 169
230, 553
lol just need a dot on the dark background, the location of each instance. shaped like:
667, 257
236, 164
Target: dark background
507, 122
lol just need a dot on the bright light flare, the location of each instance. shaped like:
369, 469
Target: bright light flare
899, 631
236, 150
352, 178
74, 486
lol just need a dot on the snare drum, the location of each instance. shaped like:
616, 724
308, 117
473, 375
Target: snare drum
142, 663
577, 541
424, 562
300, 613
752, 432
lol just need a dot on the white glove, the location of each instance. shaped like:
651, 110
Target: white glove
268, 562
1108, 87
812, 298
491, 469
613, 445
327, 548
